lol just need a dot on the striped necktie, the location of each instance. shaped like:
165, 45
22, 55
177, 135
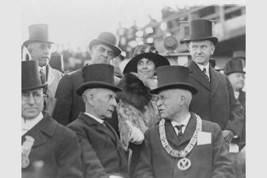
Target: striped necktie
42, 76
205, 73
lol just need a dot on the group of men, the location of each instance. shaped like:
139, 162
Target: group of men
200, 115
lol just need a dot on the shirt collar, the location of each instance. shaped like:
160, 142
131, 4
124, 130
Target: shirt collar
28, 124
184, 122
94, 117
44, 68
202, 67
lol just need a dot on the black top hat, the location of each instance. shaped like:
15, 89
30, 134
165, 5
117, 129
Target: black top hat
201, 29
158, 60
30, 78
234, 66
170, 77
38, 33
108, 39
97, 76
239, 54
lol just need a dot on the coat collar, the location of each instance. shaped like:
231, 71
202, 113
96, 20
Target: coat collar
45, 127
99, 127
198, 75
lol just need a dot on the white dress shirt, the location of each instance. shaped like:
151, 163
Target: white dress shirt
94, 117
28, 124
184, 122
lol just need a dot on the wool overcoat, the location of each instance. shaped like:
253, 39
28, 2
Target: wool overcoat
209, 157
56, 150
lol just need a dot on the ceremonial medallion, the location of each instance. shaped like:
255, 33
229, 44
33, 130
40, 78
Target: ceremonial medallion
183, 164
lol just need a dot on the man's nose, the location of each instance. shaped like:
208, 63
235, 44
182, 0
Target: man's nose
30, 99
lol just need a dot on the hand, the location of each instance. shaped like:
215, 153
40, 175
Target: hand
136, 135
228, 136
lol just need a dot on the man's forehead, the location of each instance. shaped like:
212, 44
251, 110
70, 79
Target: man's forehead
106, 47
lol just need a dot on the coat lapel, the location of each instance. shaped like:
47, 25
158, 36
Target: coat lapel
171, 135
190, 129
45, 127
198, 75
213, 80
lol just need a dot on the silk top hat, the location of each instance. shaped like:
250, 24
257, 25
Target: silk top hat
239, 54
234, 66
97, 76
108, 39
171, 77
201, 29
30, 77
38, 33
158, 60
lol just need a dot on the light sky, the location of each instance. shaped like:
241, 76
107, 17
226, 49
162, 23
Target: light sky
77, 22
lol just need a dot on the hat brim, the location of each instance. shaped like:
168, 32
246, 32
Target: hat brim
35, 87
184, 86
116, 50
26, 43
234, 71
211, 38
159, 60
87, 85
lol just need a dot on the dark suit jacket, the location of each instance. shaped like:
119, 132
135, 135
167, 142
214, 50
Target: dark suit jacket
215, 101
242, 100
57, 147
102, 153
69, 104
207, 160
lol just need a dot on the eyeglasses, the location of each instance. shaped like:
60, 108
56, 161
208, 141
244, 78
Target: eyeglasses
37, 96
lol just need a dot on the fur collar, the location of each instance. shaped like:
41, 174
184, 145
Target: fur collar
134, 91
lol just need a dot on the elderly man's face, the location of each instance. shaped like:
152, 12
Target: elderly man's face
101, 54
146, 68
40, 52
201, 51
104, 102
237, 80
168, 103
32, 103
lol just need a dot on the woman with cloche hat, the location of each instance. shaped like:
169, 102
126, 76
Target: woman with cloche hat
136, 108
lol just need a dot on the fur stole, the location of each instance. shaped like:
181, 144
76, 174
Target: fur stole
134, 92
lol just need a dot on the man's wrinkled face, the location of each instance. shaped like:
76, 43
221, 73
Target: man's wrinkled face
32, 103
237, 80
104, 102
40, 52
201, 51
168, 103
101, 54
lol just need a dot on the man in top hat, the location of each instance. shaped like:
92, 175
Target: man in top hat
215, 100
182, 145
69, 104
48, 149
241, 55
236, 74
102, 152
39, 46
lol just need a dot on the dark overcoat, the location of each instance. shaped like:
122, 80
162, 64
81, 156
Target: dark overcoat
102, 153
56, 149
69, 104
209, 159
215, 100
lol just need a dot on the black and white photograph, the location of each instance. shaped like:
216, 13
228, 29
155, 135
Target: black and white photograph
133, 89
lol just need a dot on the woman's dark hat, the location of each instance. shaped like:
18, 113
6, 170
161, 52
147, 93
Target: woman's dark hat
201, 29
30, 77
38, 33
98, 76
171, 77
234, 66
108, 39
159, 60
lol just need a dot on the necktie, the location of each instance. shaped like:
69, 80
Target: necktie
180, 131
205, 73
42, 76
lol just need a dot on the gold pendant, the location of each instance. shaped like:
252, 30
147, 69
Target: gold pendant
183, 164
